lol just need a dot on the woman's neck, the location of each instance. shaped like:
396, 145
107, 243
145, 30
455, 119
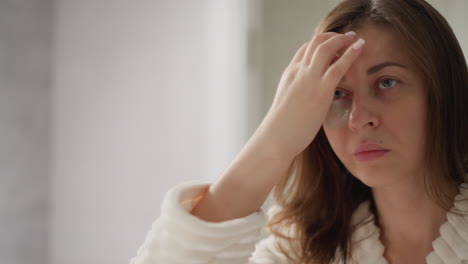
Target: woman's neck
409, 218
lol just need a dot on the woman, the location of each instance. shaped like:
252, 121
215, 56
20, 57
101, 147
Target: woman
364, 146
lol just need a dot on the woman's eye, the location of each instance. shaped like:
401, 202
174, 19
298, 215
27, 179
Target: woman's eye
340, 94
387, 83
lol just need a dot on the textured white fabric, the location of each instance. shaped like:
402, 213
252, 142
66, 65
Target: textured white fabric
178, 237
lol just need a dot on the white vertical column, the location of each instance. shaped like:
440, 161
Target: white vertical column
226, 83
147, 94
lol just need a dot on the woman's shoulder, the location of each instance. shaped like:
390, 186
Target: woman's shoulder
457, 218
452, 244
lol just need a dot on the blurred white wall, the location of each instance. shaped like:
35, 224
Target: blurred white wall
147, 94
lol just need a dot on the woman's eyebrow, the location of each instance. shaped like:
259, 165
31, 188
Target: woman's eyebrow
380, 66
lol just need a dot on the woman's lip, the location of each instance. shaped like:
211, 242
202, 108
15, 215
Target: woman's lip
370, 155
368, 147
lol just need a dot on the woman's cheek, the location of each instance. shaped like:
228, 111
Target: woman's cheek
338, 114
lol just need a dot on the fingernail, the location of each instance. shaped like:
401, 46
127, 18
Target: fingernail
350, 33
358, 44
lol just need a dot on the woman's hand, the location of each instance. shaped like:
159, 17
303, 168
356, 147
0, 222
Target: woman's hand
304, 95
306, 90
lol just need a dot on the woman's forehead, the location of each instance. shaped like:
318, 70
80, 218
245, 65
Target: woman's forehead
382, 45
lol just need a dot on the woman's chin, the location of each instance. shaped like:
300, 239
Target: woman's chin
376, 180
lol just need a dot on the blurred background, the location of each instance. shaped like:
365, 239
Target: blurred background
106, 104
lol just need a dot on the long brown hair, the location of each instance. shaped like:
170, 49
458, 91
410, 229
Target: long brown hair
319, 196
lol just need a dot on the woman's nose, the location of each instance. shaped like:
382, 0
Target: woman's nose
362, 115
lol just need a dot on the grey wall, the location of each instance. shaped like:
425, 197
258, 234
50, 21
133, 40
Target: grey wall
25, 37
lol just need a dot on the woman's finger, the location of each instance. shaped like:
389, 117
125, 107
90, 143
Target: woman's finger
316, 41
327, 51
337, 70
300, 53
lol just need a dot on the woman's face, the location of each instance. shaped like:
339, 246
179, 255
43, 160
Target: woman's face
376, 123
